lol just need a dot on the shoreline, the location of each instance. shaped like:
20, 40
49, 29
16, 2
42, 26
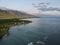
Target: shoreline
11, 22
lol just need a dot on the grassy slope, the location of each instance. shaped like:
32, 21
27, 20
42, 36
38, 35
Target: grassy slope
10, 15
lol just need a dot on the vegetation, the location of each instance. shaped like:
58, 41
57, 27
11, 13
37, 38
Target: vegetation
5, 24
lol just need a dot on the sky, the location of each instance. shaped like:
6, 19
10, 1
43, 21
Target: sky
33, 6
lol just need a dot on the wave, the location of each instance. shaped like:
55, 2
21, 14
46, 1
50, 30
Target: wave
43, 42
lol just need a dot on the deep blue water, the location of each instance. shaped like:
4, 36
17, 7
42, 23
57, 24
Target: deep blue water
42, 31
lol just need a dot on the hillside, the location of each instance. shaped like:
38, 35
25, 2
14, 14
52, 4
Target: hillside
10, 14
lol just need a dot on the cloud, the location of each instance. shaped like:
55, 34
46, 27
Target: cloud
49, 9
40, 5
45, 7
50, 12
32, 11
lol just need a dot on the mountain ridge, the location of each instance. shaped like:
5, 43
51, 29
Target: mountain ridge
10, 14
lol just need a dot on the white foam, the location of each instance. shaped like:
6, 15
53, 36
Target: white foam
31, 43
40, 42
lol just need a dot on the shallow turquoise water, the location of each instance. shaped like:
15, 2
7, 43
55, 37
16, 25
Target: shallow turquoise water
40, 32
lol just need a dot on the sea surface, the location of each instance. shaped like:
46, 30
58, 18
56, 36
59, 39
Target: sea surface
42, 31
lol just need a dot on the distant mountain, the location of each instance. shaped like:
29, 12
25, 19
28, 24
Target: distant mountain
3, 8
9, 14
47, 16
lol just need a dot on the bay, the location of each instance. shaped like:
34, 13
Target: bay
42, 31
